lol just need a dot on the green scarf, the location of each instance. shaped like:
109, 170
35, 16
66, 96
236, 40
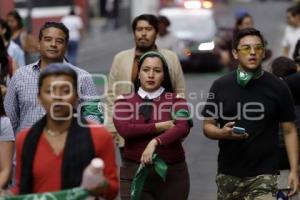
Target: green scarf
69, 194
185, 114
244, 77
94, 108
140, 176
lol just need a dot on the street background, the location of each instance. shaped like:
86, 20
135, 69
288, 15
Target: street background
99, 46
98, 49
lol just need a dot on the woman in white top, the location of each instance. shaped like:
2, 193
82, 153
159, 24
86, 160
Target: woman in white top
7, 140
75, 25
165, 38
6, 67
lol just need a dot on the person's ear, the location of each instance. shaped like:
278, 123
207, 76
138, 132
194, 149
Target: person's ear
264, 53
234, 53
39, 99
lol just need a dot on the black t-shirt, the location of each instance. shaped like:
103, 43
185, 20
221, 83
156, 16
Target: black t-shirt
297, 50
293, 81
259, 107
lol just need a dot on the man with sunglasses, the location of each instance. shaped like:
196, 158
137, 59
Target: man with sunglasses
244, 115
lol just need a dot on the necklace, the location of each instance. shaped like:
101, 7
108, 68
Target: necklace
55, 133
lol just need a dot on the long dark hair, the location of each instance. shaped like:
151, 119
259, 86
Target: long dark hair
3, 61
2, 110
166, 83
239, 21
17, 17
4, 25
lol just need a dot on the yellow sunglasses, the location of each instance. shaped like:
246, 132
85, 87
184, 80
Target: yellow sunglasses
246, 49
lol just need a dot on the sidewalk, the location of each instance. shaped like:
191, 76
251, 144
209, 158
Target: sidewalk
98, 48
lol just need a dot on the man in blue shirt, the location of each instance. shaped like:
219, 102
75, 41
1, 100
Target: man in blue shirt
21, 103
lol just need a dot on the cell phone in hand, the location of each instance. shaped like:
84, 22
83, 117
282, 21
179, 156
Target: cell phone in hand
238, 130
282, 194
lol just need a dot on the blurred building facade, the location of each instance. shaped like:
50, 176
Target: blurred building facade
36, 12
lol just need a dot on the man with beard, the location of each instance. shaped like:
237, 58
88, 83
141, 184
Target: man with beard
123, 71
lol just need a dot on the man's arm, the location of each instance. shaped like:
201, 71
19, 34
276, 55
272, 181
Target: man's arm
292, 147
111, 96
286, 51
92, 108
6, 159
212, 131
20, 58
179, 80
11, 104
285, 43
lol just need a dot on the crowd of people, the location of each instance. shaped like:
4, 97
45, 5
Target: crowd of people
51, 114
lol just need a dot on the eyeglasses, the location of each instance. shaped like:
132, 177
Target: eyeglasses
246, 49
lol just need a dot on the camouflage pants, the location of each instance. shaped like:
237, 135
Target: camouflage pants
262, 187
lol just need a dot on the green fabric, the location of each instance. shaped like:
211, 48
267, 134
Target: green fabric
140, 176
70, 194
138, 182
94, 108
153, 53
183, 113
244, 77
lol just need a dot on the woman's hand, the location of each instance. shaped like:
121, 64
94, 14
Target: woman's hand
4, 193
162, 126
93, 179
146, 157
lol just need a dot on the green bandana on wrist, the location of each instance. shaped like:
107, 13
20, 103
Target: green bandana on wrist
137, 184
244, 77
70, 194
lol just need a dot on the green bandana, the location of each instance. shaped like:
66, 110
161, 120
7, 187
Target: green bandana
70, 194
185, 114
94, 108
140, 176
151, 54
244, 77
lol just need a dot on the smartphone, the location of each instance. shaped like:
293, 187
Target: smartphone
238, 130
282, 194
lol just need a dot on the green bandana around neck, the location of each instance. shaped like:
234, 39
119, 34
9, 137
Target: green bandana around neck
244, 77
